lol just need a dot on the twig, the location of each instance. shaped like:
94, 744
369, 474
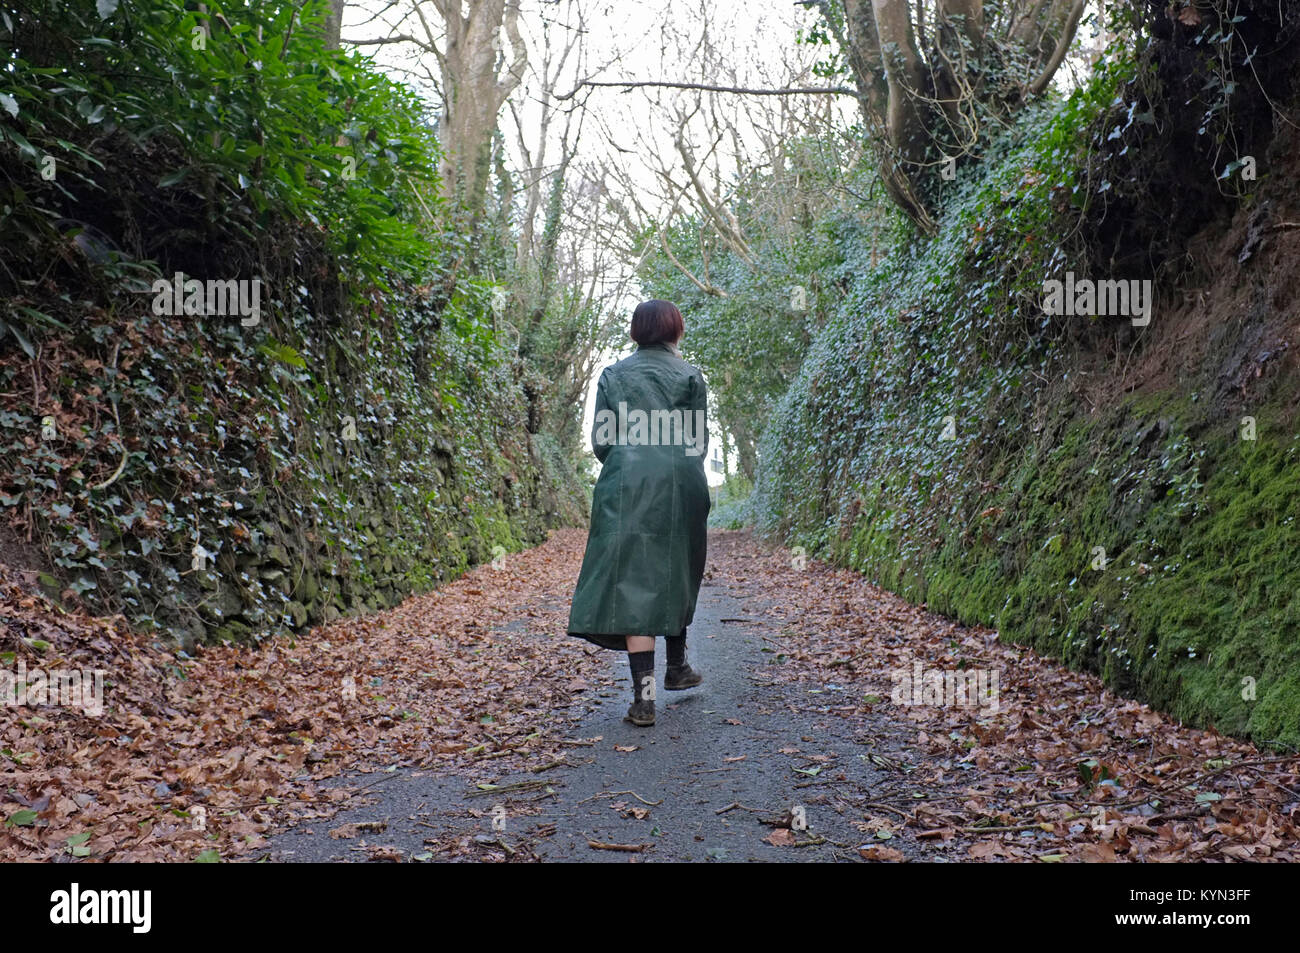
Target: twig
744, 91
1205, 777
1002, 830
627, 848
811, 842
617, 794
388, 776
1277, 784
736, 804
125, 454
538, 769
513, 786
886, 807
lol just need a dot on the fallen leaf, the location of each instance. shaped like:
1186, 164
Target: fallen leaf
889, 855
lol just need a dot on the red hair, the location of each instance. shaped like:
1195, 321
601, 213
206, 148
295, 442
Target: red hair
656, 321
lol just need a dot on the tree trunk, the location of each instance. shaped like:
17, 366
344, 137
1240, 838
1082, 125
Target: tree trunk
921, 106
334, 24
473, 92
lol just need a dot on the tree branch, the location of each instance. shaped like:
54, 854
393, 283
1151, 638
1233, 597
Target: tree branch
708, 288
1062, 45
740, 90
382, 40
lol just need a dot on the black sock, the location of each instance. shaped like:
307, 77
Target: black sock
643, 666
676, 649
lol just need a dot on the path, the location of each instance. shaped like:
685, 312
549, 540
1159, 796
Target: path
403, 736
794, 719
721, 759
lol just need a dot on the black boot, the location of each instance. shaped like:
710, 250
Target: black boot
642, 711
679, 675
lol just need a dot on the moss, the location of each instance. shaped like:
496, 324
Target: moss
1143, 540
1199, 596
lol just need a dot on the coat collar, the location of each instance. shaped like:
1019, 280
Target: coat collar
660, 346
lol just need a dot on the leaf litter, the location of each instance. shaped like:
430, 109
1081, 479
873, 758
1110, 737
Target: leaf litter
199, 758
192, 755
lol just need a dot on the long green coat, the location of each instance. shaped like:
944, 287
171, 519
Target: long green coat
646, 546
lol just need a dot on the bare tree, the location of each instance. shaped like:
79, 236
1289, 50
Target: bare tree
930, 75
735, 170
475, 77
476, 80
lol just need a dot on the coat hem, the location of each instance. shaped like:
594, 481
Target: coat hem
616, 642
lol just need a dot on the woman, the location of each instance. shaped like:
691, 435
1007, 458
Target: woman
645, 550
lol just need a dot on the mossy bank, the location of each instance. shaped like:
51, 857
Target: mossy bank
1118, 496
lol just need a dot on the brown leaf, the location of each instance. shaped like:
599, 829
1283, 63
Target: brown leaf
889, 855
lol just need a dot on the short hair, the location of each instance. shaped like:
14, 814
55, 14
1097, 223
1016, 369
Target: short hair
656, 321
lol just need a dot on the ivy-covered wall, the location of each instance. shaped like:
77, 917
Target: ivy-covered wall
1121, 498
266, 484
220, 475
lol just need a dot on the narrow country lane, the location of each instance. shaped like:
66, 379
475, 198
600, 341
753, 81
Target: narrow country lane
464, 725
792, 750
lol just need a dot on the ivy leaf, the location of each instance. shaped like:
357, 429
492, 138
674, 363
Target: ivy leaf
282, 352
106, 8
89, 111
10, 104
1231, 167
26, 345
21, 819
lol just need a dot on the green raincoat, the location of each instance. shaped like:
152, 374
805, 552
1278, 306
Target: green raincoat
646, 546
